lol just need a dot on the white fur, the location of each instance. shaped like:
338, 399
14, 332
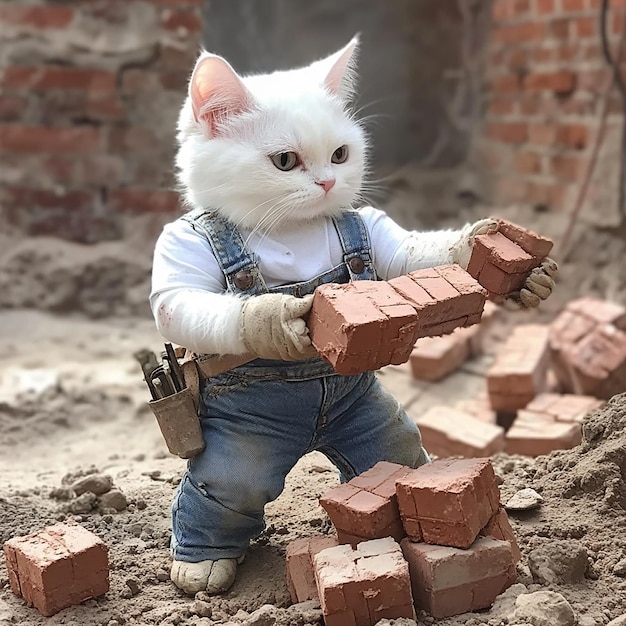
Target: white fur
228, 166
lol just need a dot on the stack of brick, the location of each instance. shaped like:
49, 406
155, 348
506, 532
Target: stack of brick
90, 94
588, 348
520, 369
550, 422
60, 566
502, 261
365, 325
460, 548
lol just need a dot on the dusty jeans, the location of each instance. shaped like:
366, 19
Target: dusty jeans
258, 421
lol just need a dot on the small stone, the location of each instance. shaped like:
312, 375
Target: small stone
135, 529
95, 483
320, 469
524, 500
62, 493
263, 616
163, 576
141, 504
85, 503
114, 499
620, 568
202, 609
544, 608
133, 585
618, 621
558, 561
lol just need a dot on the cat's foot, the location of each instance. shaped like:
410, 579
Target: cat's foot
211, 576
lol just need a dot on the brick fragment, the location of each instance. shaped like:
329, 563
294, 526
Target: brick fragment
367, 506
299, 566
360, 587
499, 527
535, 434
501, 261
519, 372
447, 581
448, 501
62, 565
451, 432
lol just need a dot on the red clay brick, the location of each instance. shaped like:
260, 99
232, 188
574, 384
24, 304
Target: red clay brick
451, 432
479, 408
40, 139
360, 587
448, 581
433, 358
520, 369
46, 78
448, 501
41, 17
561, 82
499, 528
57, 567
564, 408
534, 434
528, 240
299, 566
367, 506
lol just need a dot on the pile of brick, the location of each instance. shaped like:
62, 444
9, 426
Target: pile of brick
433, 539
57, 567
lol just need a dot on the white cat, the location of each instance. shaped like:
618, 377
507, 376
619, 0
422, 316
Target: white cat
272, 165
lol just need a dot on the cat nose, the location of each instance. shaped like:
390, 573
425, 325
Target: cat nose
327, 184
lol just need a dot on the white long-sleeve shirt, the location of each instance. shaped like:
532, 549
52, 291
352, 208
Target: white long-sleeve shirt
189, 299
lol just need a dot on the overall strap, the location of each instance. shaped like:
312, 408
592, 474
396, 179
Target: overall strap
355, 241
239, 265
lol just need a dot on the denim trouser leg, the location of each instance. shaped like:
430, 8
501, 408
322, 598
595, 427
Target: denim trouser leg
256, 429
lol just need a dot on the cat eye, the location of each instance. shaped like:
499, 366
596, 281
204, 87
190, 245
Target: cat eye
285, 161
340, 155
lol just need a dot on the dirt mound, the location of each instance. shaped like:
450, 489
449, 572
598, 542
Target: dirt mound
53, 275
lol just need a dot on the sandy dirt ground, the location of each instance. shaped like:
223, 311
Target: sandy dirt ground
72, 403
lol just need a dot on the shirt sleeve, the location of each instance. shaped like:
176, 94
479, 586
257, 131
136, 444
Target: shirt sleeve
188, 297
397, 251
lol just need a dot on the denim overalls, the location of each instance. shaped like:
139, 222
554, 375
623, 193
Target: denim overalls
259, 419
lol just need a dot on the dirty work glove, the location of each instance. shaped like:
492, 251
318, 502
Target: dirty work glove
461, 251
539, 284
272, 327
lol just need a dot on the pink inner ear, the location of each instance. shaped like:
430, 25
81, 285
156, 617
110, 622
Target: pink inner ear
339, 79
216, 91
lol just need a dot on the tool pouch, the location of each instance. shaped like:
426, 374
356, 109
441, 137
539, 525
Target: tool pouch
178, 420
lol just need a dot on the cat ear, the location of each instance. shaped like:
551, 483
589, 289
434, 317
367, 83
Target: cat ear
216, 91
341, 77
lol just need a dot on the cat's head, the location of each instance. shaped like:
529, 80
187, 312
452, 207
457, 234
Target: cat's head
271, 148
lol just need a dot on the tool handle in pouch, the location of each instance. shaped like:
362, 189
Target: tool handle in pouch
179, 423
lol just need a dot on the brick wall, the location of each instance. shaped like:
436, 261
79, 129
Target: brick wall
546, 81
89, 94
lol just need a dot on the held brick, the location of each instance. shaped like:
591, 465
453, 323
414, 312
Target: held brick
535, 434
360, 587
520, 369
451, 432
299, 566
367, 507
57, 567
448, 501
447, 581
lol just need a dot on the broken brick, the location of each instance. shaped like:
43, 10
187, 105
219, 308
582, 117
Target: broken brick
447, 581
62, 565
502, 261
451, 432
367, 506
520, 369
448, 501
535, 434
299, 566
499, 527
360, 587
